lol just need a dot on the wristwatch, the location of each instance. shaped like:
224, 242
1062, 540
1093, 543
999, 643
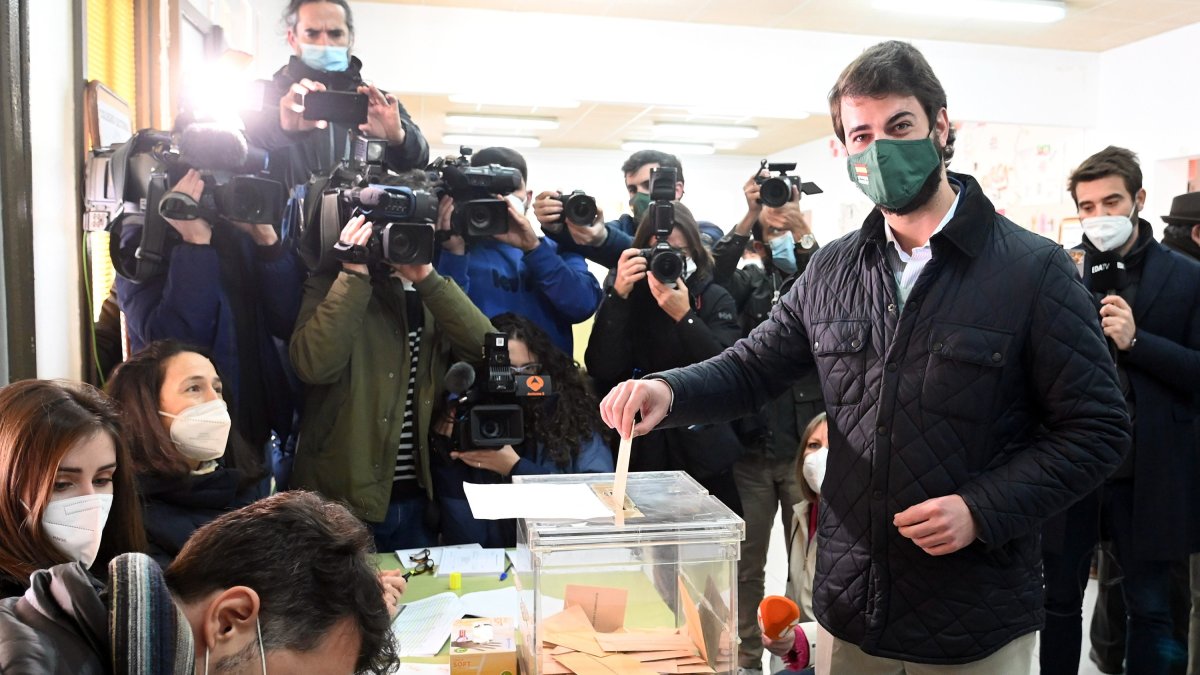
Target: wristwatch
808, 241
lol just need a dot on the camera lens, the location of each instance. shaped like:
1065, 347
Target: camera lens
775, 192
490, 428
478, 216
581, 210
666, 265
249, 202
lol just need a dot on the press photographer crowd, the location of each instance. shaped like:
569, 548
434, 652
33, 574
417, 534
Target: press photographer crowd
330, 333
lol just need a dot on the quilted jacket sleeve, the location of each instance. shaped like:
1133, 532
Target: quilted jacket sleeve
1085, 427
743, 378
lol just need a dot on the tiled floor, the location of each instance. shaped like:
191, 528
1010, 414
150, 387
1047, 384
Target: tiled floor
777, 580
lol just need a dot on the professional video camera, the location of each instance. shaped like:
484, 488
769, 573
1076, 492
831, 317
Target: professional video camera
578, 208
144, 169
402, 217
488, 415
664, 261
775, 191
477, 211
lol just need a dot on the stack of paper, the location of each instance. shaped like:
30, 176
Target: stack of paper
467, 561
423, 626
589, 638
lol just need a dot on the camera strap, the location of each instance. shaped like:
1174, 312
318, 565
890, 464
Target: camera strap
149, 259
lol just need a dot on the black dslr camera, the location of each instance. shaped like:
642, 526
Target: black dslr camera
402, 217
488, 415
477, 210
664, 261
578, 208
775, 191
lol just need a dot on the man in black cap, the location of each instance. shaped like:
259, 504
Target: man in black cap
1183, 225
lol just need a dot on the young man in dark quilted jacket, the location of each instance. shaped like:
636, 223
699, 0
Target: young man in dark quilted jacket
1147, 509
969, 390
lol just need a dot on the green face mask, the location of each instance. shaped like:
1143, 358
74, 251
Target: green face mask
640, 203
891, 172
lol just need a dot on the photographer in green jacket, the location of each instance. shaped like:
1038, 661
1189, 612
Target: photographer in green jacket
373, 345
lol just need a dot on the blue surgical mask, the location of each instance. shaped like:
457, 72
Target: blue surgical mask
327, 58
783, 253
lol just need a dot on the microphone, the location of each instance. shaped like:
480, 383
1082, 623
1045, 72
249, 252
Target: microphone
1108, 273
1108, 277
777, 616
211, 147
367, 196
459, 378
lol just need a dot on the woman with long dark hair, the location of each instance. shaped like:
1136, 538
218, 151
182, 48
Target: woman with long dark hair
66, 486
191, 464
646, 325
563, 434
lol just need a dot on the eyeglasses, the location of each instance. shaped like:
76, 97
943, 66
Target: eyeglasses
422, 564
527, 369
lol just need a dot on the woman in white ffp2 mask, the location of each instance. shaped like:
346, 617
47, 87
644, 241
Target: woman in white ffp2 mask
190, 465
67, 495
810, 476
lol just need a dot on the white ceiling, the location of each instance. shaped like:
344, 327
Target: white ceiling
1090, 25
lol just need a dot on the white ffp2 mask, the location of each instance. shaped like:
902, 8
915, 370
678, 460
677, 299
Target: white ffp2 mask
201, 431
814, 469
1108, 232
76, 524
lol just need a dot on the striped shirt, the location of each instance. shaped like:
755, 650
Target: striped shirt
406, 468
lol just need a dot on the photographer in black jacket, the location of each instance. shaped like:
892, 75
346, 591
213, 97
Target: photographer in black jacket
321, 35
766, 473
645, 325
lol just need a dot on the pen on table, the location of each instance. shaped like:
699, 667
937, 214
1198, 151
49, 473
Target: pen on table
504, 574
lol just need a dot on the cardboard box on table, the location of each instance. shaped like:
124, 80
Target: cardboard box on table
657, 595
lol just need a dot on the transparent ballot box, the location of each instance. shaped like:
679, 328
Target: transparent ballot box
657, 595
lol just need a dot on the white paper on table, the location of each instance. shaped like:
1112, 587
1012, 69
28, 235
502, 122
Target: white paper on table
541, 501
495, 604
422, 669
423, 626
435, 554
468, 561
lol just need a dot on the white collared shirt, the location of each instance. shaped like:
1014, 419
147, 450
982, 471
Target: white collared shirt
907, 267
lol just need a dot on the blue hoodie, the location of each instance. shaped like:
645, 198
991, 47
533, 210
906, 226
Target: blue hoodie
551, 289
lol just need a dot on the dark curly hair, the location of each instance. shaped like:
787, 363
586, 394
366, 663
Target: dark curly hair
576, 416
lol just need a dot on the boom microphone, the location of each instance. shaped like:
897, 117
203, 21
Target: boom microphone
459, 378
212, 147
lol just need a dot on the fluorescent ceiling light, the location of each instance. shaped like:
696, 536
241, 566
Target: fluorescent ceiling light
703, 132
674, 148
514, 100
500, 122
740, 111
477, 141
1030, 11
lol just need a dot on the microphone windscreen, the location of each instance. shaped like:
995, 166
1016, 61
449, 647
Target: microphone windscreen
213, 147
371, 196
459, 378
777, 615
1108, 272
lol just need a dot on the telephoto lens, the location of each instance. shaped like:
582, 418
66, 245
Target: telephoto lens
578, 208
775, 191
